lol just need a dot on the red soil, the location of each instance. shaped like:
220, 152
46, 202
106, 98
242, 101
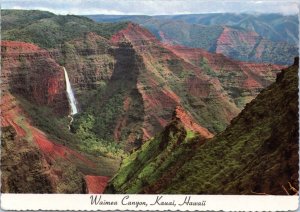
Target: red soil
190, 124
23, 61
158, 98
253, 72
53, 88
54, 150
11, 112
135, 34
146, 134
20, 131
230, 38
96, 184
19, 47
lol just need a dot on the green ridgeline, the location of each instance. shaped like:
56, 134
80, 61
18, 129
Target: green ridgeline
48, 30
257, 153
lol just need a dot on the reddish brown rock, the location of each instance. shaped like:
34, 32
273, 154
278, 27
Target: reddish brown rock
216, 89
96, 184
189, 123
29, 71
44, 159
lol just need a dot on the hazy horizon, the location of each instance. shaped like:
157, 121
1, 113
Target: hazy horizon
154, 7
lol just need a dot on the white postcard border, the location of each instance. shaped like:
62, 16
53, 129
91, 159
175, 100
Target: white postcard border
105, 202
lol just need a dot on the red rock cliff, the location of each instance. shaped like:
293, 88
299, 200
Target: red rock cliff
29, 71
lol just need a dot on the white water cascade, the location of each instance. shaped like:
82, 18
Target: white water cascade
70, 93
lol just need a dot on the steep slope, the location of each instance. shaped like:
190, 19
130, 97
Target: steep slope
160, 158
78, 44
135, 92
30, 162
166, 81
30, 71
238, 41
256, 154
135, 82
97, 68
241, 80
33, 98
193, 78
117, 109
249, 46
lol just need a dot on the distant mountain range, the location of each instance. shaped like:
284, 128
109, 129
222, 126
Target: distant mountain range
261, 38
275, 27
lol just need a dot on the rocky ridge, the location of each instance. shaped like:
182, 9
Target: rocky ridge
256, 154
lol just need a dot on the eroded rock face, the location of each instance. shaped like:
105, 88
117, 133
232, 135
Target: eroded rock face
256, 154
198, 81
189, 123
249, 46
22, 166
29, 71
30, 161
88, 61
136, 79
241, 80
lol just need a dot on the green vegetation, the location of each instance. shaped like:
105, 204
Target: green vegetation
48, 30
154, 161
23, 167
257, 153
19, 160
112, 111
91, 143
71, 179
249, 155
195, 35
206, 68
43, 118
209, 110
20, 18
57, 129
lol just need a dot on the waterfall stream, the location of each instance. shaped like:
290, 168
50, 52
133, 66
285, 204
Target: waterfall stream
70, 93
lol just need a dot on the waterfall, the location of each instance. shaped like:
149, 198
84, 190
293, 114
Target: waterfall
70, 93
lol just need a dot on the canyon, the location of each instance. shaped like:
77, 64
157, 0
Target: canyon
132, 92
259, 38
236, 161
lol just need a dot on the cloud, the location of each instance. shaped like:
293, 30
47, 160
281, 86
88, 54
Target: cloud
154, 7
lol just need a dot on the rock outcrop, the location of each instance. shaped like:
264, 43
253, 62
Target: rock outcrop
197, 80
256, 154
31, 162
29, 71
249, 46
151, 168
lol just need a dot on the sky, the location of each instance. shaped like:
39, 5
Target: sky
155, 7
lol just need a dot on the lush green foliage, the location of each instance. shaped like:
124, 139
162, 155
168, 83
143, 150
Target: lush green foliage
249, 156
48, 30
90, 142
257, 153
57, 129
43, 118
156, 159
